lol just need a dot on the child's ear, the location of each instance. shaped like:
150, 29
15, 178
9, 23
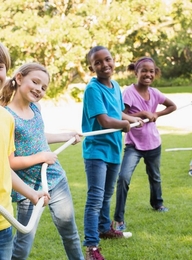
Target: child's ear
18, 78
91, 69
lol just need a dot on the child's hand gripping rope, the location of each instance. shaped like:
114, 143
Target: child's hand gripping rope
38, 209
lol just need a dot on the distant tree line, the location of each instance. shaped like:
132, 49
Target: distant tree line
60, 33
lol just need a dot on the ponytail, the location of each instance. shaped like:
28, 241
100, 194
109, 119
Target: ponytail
7, 91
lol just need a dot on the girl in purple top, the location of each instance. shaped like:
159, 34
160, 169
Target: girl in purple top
141, 100
20, 96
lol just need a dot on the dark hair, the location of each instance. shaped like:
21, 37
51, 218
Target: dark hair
135, 66
92, 51
10, 86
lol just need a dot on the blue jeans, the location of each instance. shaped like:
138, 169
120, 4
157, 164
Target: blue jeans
130, 160
6, 242
101, 180
62, 212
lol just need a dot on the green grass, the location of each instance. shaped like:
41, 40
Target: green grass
173, 90
156, 236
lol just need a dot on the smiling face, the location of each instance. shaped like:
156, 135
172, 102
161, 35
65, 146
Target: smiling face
33, 86
145, 73
102, 64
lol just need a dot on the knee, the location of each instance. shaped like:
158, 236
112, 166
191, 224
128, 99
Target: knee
122, 180
95, 203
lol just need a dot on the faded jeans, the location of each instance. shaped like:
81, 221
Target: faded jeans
101, 180
62, 212
130, 160
6, 243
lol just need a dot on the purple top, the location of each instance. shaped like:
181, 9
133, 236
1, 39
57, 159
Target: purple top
146, 137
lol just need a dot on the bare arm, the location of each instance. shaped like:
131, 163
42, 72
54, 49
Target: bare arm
108, 122
23, 162
19, 186
139, 114
131, 119
62, 137
169, 107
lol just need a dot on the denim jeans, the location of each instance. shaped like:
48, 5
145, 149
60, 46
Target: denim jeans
130, 160
101, 180
62, 212
6, 242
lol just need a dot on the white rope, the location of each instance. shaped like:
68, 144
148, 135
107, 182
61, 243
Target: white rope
184, 106
111, 130
45, 165
35, 214
38, 209
178, 149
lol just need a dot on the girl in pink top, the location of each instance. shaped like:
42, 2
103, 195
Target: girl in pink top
141, 100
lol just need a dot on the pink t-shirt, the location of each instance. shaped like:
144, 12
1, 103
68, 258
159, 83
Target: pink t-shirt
146, 137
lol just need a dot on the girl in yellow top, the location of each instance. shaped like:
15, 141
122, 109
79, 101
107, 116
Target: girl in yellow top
8, 178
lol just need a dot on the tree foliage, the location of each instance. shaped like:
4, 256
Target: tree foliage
60, 33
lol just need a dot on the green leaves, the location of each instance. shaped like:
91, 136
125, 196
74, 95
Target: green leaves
60, 34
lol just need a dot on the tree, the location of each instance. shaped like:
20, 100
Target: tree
60, 33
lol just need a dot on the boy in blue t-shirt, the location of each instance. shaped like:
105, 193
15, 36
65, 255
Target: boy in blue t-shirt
102, 108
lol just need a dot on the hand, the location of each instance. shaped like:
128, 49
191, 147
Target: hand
49, 157
151, 116
127, 127
46, 197
36, 195
77, 139
139, 120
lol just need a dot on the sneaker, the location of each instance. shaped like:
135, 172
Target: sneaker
93, 253
120, 227
162, 209
190, 172
111, 233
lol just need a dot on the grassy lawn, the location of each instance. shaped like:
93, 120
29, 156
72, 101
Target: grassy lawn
172, 90
156, 236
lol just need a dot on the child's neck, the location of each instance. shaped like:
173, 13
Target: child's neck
22, 110
143, 91
106, 82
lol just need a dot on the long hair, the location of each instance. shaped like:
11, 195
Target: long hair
10, 86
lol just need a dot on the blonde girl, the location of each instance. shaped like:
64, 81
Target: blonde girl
20, 96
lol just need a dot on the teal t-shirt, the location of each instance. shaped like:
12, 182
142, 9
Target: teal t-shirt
99, 99
30, 139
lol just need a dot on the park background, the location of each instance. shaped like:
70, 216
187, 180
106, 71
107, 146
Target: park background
59, 34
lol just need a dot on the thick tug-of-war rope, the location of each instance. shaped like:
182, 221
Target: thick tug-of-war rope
38, 208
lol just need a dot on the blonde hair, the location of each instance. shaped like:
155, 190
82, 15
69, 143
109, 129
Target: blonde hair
5, 56
10, 86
